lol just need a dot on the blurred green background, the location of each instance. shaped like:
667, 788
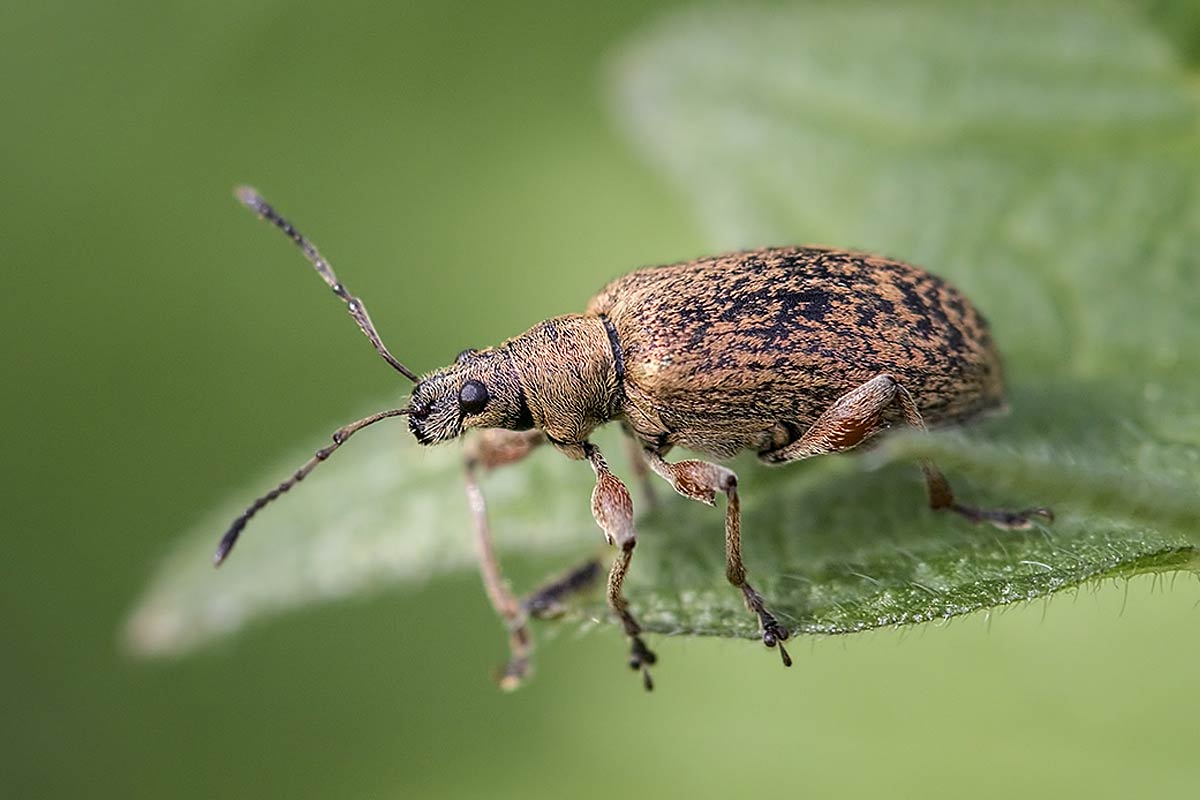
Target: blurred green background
457, 163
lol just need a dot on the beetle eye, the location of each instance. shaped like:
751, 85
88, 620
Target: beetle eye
472, 397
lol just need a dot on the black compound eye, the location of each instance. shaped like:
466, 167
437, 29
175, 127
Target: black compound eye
472, 397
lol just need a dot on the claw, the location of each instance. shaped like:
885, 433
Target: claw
783, 655
775, 636
642, 658
513, 675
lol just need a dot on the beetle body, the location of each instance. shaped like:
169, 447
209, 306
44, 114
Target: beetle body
746, 351
790, 352
742, 351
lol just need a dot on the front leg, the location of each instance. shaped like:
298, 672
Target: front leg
487, 450
700, 480
613, 510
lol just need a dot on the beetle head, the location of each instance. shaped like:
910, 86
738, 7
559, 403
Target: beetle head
480, 390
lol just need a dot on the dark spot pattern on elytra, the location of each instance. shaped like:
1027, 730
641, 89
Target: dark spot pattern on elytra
732, 352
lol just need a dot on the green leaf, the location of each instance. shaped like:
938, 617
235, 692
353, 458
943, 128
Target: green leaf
1043, 157
382, 511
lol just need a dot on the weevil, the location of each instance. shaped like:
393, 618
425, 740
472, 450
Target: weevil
790, 352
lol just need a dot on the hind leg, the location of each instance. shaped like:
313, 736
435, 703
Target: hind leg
700, 480
856, 414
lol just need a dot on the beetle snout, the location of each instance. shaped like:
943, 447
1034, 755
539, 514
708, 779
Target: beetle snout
418, 431
432, 413
419, 410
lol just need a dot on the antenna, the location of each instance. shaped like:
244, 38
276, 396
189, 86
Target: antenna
254, 201
339, 437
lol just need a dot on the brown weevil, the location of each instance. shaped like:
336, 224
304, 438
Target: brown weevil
791, 352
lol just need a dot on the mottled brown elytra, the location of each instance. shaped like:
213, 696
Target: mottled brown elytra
790, 352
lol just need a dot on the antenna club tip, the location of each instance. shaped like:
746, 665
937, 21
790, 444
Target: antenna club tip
249, 197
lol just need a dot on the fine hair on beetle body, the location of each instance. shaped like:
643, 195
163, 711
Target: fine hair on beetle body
790, 352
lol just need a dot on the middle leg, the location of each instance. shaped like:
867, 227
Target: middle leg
701, 480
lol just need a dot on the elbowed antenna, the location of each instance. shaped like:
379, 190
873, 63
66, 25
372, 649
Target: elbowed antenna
254, 201
339, 436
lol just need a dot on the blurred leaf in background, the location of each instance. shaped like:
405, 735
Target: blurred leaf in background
1042, 157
